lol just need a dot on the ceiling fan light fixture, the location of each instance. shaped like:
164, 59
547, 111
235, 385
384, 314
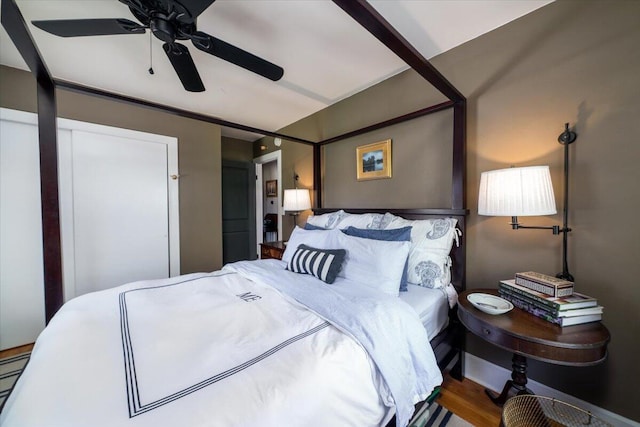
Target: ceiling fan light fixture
163, 29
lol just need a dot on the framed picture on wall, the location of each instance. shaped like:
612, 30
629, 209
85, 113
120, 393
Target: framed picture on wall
373, 161
271, 188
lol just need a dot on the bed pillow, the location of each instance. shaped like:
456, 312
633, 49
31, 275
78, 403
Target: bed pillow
371, 221
402, 234
377, 264
392, 235
328, 220
341, 219
308, 226
429, 263
323, 264
321, 239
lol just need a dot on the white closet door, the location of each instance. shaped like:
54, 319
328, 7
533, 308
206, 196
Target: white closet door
120, 211
21, 271
119, 215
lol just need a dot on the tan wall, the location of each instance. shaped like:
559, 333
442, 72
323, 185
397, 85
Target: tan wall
570, 61
198, 158
236, 149
426, 184
17, 89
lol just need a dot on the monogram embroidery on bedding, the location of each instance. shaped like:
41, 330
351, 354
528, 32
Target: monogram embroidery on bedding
248, 297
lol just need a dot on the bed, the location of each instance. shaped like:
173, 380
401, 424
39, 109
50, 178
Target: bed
142, 354
256, 343
447, 335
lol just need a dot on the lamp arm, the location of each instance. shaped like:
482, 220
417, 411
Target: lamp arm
567, 137
555, 228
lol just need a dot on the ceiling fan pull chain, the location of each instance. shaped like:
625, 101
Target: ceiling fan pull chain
150, 53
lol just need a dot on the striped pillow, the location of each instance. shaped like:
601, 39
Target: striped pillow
321, 263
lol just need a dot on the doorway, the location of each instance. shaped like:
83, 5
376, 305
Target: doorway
268, 169
238, 210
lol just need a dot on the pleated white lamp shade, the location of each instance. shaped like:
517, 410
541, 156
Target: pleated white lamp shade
296, 200
525, 191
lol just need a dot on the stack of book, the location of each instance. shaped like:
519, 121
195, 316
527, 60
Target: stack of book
550, 299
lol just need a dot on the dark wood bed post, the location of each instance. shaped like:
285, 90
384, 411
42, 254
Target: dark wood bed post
370, 19
458, 201
13, 22
459, 176
317, 174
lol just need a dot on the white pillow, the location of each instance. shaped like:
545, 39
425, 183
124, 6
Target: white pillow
375, 263
341, 219
328, 220
367, 220
431, 241
319, 239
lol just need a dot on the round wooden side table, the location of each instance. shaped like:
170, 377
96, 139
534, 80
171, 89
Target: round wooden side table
526, 335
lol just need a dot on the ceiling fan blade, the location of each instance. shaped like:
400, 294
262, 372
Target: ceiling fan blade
89, 27
196, 7
236, 56
185, 68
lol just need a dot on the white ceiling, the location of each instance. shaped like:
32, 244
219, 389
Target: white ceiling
326, 55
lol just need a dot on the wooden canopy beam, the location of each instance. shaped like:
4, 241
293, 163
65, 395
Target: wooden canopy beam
365, 14
372, 21
396, 120
74, 87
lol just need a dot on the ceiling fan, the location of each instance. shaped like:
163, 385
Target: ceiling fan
169, 21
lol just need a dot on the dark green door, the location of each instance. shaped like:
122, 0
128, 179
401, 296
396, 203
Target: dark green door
238, 211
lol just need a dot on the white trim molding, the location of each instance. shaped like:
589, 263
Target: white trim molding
493, 377
259, 161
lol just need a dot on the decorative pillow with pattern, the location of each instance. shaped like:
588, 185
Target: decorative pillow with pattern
369, 221
328, 220
341, 220
323, 264
429, 263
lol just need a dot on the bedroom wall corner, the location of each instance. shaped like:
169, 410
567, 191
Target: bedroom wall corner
297, 159
236, 149
573, 62
199, 157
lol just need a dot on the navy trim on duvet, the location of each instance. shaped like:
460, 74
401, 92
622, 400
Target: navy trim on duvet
133, 389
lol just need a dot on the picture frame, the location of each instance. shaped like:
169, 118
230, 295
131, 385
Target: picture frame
373, 161
271, 188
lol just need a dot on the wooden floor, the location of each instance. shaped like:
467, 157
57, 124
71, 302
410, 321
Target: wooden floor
15, 350
468, 400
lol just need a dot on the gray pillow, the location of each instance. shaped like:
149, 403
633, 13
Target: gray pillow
321, 263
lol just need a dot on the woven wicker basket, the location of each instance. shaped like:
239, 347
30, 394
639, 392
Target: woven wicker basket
540, 411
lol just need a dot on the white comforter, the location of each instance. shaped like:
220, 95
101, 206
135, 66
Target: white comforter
207, 350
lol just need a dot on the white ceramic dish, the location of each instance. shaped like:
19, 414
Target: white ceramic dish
490, 304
